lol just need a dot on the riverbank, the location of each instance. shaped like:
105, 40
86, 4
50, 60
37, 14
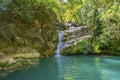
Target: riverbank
13, 62
98, 54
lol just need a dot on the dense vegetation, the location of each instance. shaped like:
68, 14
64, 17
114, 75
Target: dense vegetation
103, 19
30, 25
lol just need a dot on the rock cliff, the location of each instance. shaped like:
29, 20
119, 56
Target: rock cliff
39, 33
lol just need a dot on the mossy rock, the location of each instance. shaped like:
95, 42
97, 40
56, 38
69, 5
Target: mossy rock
39, 33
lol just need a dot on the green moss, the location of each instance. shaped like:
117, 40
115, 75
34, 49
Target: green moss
81, 48
6, 64
24, 62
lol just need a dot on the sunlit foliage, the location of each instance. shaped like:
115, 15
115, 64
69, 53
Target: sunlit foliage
101, 16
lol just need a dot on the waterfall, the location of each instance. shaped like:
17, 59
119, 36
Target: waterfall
60, 44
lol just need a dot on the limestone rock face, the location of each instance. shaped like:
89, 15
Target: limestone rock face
39, 33
27, 50
73, 36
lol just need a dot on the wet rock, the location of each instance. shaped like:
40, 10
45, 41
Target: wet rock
3, 74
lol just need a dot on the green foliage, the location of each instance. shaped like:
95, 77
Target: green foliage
81, 48
111, 31
24, 62
101, 16
85, 48
6, 64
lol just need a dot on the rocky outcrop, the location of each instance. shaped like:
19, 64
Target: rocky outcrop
6, 59
39, 33
26, 32
74, 35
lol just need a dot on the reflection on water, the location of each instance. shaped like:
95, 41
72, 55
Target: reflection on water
71, 68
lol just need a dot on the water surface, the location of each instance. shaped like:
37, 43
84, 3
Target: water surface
70, 68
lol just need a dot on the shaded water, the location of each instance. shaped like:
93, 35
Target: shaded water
71, 68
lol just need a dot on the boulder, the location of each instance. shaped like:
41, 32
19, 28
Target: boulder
4, 58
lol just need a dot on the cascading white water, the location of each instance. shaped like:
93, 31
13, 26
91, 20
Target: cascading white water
60, 44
